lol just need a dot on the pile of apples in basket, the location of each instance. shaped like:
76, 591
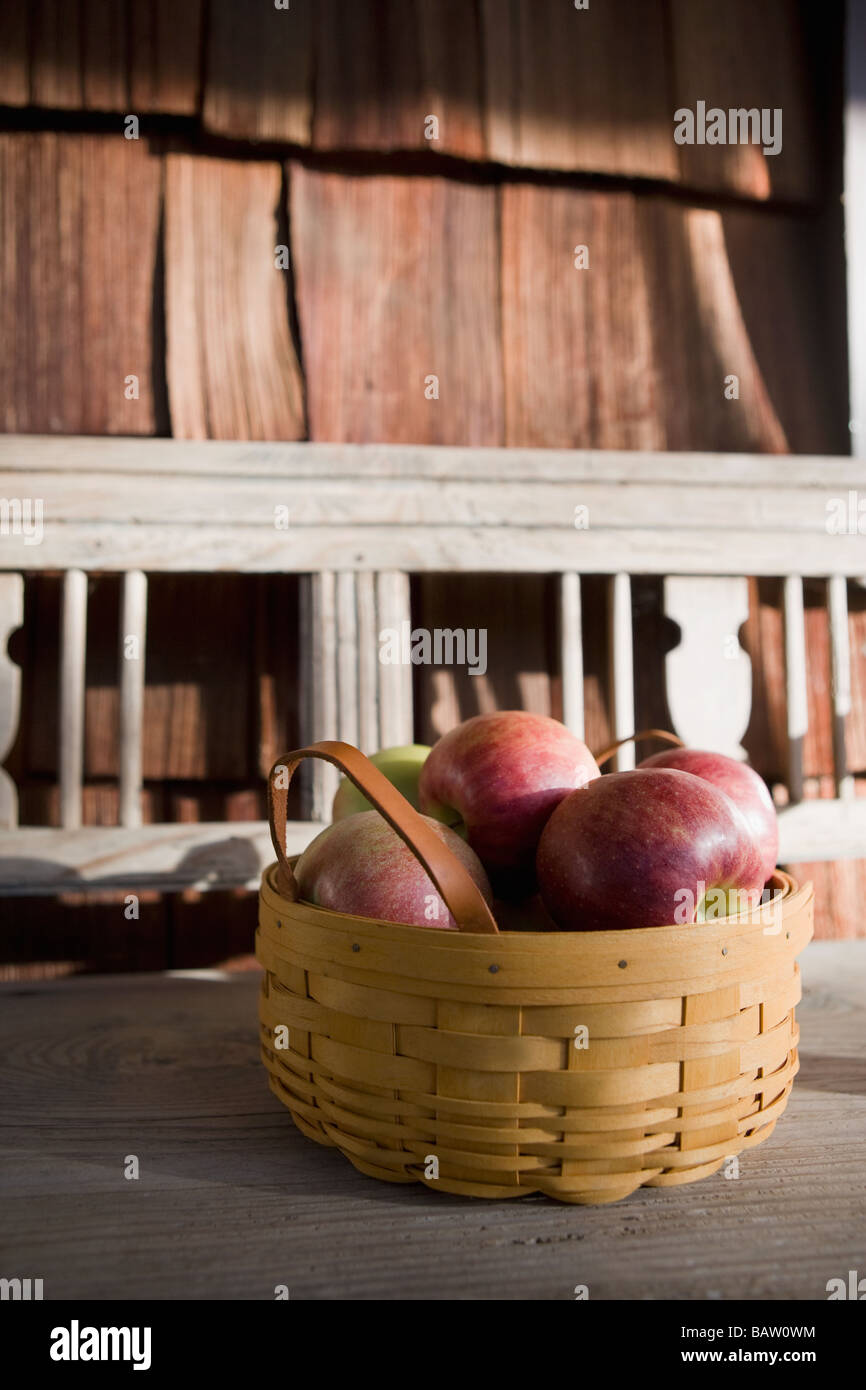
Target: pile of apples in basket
553, 845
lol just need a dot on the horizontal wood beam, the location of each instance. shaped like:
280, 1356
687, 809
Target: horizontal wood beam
311, 508
40, 861
81, 454
222, 500
111, 547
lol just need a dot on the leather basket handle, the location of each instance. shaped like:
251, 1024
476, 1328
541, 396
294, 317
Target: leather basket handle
459, 891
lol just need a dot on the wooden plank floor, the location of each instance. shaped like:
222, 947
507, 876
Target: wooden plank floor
232, 1200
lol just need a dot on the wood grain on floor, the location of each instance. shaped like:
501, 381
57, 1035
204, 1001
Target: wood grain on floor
232, 1200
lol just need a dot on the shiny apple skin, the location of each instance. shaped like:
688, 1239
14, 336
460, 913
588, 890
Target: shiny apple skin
747, 790
359, 865
501, 776
617, 853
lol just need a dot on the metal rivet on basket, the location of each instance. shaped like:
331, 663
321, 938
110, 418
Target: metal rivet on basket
279, 924
493, 969
355, 946
724, 950
622, 964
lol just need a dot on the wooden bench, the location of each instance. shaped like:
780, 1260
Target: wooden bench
356, 522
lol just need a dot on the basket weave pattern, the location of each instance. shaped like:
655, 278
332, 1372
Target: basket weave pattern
406, 1044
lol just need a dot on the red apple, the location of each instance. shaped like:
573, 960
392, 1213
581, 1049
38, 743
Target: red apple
746, 789
496, 779
361, 866
641, 849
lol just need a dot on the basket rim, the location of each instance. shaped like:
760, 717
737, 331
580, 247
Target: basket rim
793, 896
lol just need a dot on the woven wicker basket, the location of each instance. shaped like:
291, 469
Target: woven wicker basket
455, 1058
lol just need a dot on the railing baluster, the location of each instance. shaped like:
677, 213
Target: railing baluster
840, 662
395, 679
322, 655
571, 652
73, 644
795, 682
621, 648
708, 675
368, 663
11, 618
133, 632
347, 658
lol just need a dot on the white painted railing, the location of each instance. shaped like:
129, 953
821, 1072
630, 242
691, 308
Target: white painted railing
361, 520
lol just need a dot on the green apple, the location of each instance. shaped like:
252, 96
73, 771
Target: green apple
402, 767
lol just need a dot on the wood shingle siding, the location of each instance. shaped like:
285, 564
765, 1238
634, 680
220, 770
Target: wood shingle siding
383, 68
165, 47
589, 90
743, 55
259, 71
231, 365
536, 84
102, 55
80, 215
398, 282
634, 351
